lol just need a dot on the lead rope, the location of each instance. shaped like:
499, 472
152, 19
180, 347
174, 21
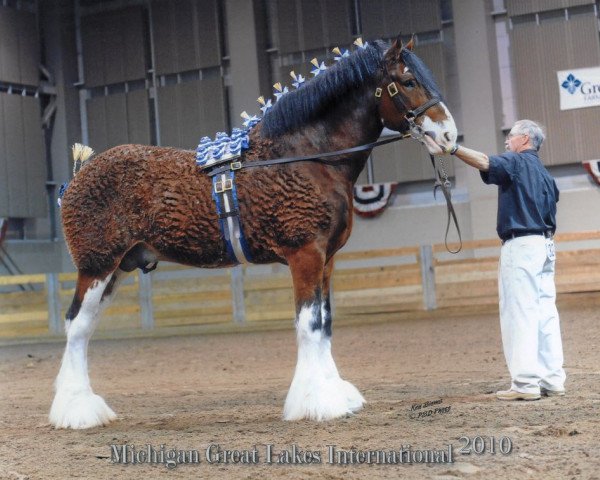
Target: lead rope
443, 183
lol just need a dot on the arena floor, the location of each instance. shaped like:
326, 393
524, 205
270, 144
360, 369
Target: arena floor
190, 392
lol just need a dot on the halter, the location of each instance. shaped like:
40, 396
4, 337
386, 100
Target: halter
410, 116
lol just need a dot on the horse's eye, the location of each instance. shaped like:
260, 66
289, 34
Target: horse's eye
410, 84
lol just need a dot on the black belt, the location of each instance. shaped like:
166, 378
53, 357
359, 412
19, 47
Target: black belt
544, 233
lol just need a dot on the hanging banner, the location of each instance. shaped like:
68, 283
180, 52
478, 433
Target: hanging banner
579, 88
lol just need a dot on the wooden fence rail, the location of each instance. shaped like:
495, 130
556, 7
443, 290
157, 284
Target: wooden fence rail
364, 283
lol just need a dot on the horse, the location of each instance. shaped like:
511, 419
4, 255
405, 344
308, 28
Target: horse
134, 205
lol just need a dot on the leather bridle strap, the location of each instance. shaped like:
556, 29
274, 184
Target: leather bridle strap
320, 157
423, 108
442, 182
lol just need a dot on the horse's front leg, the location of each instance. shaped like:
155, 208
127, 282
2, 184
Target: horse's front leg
317, 392
354, 399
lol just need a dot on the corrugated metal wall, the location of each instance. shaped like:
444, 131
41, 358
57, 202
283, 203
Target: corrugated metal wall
22, 155
119, 67
540, 49
312, 24
388, 18
523, 7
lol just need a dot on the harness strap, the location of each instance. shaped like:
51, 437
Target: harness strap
319, 157
225, 196
443, 184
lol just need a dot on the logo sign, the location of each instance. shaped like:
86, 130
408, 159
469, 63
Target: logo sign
579, 88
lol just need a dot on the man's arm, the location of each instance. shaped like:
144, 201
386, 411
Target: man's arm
473, 157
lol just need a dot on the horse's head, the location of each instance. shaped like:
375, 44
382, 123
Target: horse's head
410, 100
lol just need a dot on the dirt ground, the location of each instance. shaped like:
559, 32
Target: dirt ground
190, 392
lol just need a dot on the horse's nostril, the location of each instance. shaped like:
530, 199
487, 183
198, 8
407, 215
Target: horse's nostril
447, 136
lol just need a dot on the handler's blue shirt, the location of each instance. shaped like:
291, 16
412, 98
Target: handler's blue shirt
527, 193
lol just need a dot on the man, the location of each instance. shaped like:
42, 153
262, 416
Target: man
527, 196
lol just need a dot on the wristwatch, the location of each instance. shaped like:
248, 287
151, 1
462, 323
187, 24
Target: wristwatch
453, 150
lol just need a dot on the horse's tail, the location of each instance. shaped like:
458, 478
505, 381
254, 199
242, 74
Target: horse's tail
81, 153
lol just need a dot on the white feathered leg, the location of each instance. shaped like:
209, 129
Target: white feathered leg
317, 391
75, 405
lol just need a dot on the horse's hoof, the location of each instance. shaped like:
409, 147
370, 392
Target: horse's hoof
80, 410
321, 399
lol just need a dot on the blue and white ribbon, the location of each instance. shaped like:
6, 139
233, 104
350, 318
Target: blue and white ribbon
298, 79
339, 54
318, 68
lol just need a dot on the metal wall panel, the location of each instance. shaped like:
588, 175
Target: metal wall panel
15, 154
540, 51
212, 103
523, 7
118, 119
35, 156
396, 18
338, 24
312, 25
186, 35
191, 110
169, 122
287, 23
9, 46
29, 48
19, 47
388, 18
22, 162
114, 46
371, 14
4, 180
138, 117
425, 15
96, 110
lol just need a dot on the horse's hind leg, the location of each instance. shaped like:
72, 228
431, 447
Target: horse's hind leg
316, 392
75, 405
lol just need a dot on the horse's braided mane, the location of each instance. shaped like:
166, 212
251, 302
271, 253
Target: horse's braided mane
298, 107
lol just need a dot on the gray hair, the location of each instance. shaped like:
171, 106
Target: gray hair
533, 130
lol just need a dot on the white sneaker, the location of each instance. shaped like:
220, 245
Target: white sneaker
511, 395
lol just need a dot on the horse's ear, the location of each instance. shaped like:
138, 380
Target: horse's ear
411, 43
397, 43
394, 51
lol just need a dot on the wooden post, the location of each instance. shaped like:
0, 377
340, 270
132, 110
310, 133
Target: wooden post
427, 277
145, 297
55, 323
237, 292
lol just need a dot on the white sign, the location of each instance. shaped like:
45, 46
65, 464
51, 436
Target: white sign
579, 88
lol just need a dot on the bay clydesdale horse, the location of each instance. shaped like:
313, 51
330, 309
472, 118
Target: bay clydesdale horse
134, 205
